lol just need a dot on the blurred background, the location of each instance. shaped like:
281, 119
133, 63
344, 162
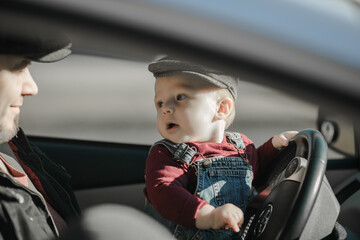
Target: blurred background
103, 99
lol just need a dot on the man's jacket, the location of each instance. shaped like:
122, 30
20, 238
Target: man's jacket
23, 212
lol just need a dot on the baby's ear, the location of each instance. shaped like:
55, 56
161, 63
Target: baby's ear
224, 108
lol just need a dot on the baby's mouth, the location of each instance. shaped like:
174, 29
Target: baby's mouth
171, 126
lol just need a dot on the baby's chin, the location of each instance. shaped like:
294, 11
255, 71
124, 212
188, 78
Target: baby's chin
177, 139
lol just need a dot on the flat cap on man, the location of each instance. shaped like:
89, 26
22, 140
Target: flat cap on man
32, 44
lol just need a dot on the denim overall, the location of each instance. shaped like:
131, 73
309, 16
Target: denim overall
220, 179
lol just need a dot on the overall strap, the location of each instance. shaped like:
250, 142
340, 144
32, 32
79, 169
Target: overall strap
181, 152
236, 140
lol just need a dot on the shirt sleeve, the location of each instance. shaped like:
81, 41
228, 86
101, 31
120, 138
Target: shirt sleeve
166, 188
260, 158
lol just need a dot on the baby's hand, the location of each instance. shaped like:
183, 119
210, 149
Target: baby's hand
282, 140
228, 216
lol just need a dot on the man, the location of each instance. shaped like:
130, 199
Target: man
36, 199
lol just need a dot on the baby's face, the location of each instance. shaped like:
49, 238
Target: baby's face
186, 109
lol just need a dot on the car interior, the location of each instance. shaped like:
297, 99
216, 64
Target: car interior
95, 116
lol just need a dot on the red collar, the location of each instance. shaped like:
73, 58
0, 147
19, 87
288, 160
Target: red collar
19, 176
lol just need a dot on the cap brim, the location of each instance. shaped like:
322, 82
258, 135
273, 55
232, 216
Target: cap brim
207, 78
52, 56
34, 43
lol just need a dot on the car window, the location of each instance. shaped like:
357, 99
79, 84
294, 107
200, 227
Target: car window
91, 98
104, 99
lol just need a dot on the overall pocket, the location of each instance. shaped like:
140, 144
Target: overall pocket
230, 186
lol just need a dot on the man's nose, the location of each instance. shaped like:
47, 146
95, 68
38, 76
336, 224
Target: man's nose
29, 87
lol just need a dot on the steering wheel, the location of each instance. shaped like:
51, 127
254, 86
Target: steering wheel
283, 206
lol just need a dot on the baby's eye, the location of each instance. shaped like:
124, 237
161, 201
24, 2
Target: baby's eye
159, 104
180, 97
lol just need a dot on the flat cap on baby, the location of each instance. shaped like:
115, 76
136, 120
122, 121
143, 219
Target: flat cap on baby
171, 66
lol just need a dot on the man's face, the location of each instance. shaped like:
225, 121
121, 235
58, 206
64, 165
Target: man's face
185, 109
15, 83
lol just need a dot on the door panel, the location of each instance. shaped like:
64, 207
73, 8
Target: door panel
130, 195
101, 172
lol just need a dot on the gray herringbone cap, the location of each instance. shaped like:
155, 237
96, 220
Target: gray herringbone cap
170, 66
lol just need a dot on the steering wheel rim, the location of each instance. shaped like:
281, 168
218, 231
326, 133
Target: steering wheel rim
264, 211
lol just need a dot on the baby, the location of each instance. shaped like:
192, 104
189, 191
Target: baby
199, 177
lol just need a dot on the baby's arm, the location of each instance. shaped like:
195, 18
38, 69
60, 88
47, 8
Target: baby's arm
282, 140
228, 216
166, 182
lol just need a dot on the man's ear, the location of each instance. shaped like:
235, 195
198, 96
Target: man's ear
224, 108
